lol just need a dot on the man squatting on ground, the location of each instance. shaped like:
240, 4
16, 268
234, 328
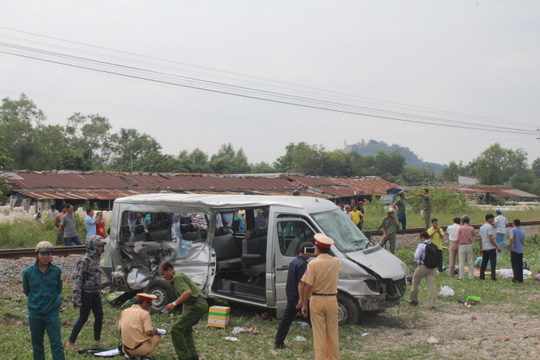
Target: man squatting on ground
297, 269
320, 281
194, 305
42, 283
139, 338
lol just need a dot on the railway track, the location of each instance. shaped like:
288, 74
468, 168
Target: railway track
74, 250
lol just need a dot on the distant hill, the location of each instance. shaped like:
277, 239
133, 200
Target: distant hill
372, 147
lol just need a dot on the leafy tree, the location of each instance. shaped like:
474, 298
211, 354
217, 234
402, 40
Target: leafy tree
128, 145
496, 165
393, 163
156, 162
536, 167
227, 160
414, 176
262, 168
526, 180
89, 135
17, 120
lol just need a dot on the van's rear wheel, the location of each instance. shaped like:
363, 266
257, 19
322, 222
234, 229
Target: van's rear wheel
164, 292
348, 310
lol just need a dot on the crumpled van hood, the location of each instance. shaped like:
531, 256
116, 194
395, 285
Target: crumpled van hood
378, 261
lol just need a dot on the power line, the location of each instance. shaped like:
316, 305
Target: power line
396, 104
248, 96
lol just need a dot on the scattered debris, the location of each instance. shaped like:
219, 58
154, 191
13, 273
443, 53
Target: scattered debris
299, 338
237, 330
432, 340
446, 291
231, 338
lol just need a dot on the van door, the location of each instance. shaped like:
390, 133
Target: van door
289, 233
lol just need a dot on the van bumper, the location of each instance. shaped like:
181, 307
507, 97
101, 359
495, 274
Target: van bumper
378, 294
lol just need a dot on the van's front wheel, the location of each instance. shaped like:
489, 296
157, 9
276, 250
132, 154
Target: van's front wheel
164, 292
348, 310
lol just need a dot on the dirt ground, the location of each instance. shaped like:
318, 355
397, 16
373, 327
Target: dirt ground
459, 334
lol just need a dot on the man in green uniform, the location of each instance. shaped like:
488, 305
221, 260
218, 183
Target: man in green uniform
426, 207
42, 283
400, 205
194, 307
389, 228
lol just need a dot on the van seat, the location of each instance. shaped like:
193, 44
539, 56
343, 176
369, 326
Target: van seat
228, 253
254, 255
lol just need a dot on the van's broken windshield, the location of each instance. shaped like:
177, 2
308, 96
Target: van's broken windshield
336, 225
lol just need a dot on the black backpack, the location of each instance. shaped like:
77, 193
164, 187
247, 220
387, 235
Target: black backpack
433, 256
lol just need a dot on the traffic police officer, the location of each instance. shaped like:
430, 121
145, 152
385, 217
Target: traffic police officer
42, 283
320, 281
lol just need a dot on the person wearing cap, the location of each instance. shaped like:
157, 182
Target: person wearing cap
194, 308
139, 338
320, 282
464, 248
86, 289
297, 269
401, 207
426, 206
42, 284
500, 225
389, 227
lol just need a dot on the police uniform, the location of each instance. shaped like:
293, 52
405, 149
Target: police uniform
196, 307
133, 323
322, 275
43, 290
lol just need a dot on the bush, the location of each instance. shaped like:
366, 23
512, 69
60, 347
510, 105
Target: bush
27, 233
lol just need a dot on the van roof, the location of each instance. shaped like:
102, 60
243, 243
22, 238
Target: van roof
205, 201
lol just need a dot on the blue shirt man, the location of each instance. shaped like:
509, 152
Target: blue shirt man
517, 239
90, 223
297, 269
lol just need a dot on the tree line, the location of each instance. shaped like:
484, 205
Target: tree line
87, 143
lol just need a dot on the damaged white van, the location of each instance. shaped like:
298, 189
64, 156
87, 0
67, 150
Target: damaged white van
238, 248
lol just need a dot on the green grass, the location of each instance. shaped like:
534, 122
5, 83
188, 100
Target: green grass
28, 232
403, 322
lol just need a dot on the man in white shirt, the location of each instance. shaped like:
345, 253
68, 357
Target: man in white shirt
500, 224
452, 236
488, 247
422, 271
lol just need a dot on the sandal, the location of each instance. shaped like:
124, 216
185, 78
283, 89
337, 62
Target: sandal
76, 347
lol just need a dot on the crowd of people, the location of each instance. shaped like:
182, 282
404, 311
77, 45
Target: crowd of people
311, 286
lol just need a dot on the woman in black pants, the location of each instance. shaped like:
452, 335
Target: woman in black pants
86, 294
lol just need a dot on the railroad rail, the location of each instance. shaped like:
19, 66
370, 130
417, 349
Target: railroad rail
74, 250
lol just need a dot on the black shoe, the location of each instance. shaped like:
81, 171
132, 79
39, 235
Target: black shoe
195, 357
279, 346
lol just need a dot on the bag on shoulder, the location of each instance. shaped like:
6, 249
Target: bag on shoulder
433, 256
